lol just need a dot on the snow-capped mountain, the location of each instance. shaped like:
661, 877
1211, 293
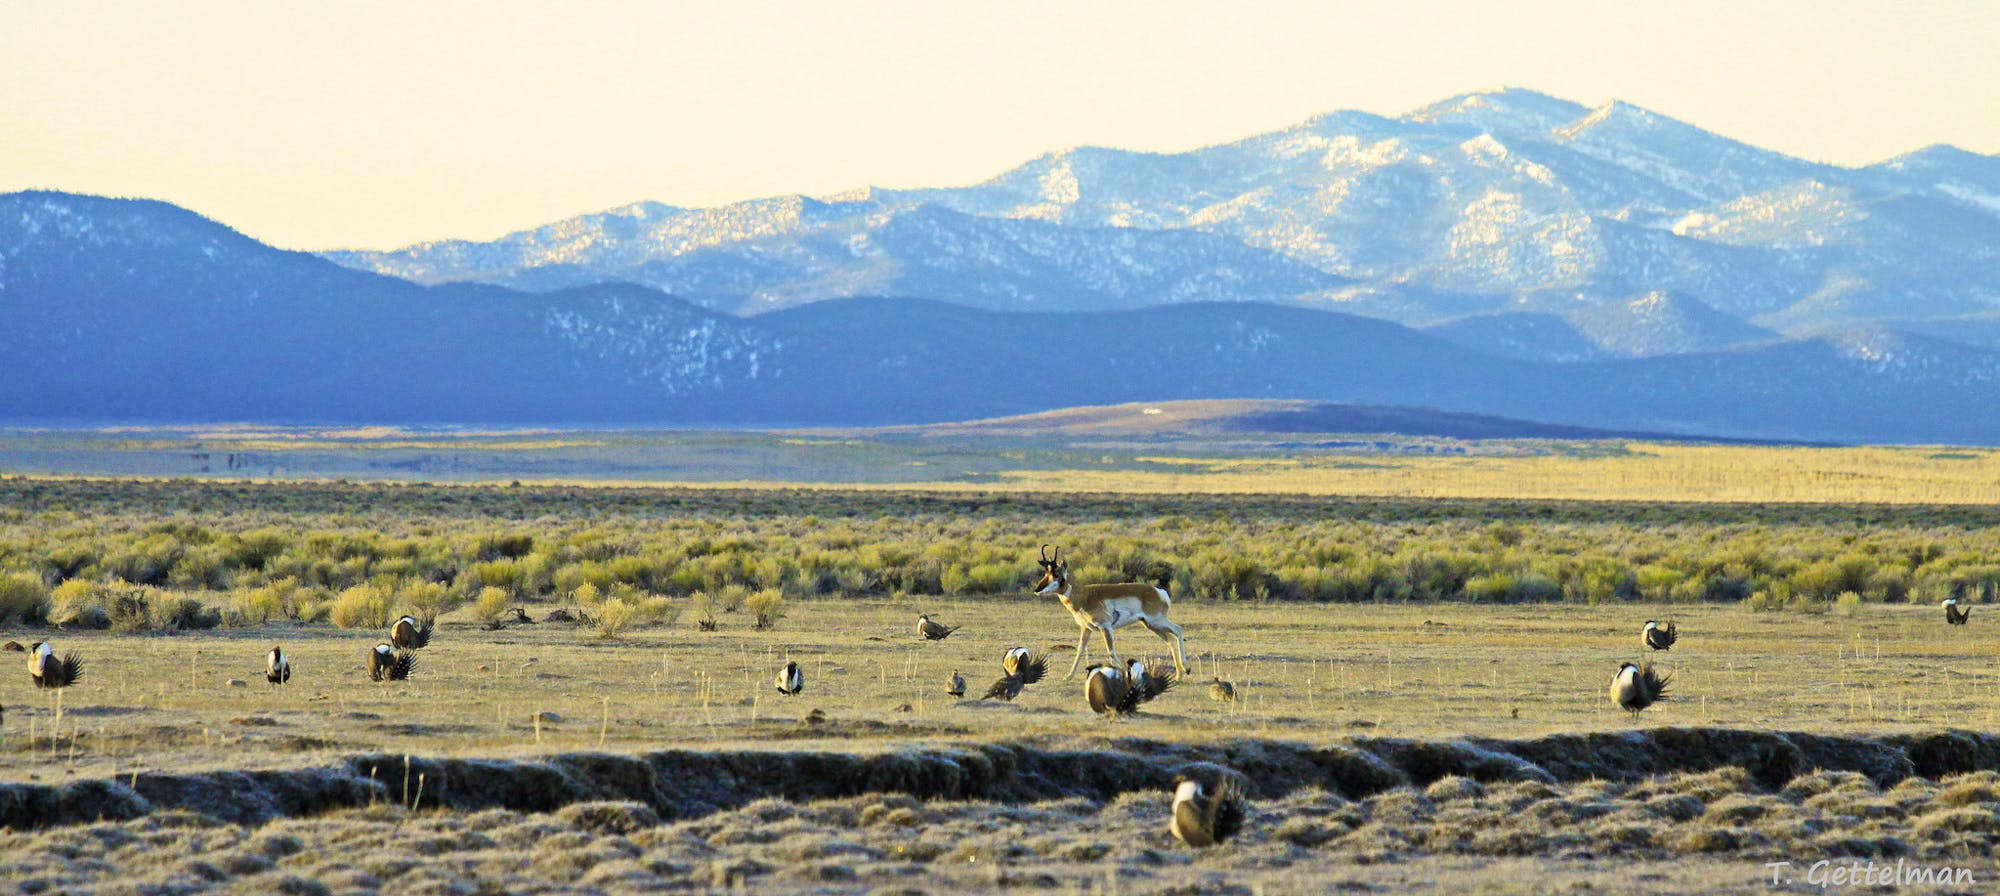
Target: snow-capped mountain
136, 311
1490, 203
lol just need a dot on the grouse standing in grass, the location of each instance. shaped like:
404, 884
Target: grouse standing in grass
407, 635
955, 685
386, 663
1635, 688
277, 669
1107, 690
1146, 683
1208, 809
1660, 638
49, 672
933, 631
1221, 691
790, 680
1021, 668
1953, 615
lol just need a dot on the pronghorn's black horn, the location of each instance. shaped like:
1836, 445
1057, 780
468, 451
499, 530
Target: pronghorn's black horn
1045, 552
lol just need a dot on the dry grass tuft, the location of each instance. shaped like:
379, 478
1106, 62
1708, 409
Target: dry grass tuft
1452, 788
622, 817
1981, 820
1967, 790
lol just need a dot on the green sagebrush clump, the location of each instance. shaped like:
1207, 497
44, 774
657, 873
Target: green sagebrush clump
152, 610
436, 548
23, 600
362, 606
768, 606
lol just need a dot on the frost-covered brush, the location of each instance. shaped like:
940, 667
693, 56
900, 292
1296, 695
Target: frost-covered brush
1107, 608
407, 635
955, 685
790, 680
385, 663
934, 631
1107, 690
1660, 638
1207, 809
1953, 615
49, 672
277, 669
1635, 688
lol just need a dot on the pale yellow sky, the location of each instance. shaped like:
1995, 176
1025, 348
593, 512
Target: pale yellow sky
374, 125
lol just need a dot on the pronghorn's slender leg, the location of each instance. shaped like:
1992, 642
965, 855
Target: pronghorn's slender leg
1171, 633
1108, 629
1082, 647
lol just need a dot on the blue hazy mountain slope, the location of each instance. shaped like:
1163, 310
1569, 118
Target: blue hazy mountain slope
134, 311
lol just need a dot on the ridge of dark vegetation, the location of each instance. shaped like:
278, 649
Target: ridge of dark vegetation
683, 784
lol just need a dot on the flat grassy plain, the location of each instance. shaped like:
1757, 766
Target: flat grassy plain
1329, 464
1416, 744
166, 702
1318, 674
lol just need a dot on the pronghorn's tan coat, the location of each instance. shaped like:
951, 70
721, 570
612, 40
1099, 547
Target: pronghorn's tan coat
1107, 608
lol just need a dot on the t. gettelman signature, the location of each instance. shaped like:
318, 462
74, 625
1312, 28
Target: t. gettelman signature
1828, 873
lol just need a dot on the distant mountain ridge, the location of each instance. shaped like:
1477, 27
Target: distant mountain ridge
1490, 203
131, 311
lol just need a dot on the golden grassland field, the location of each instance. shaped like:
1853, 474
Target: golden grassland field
1421, 691
195, 703
1327, 465
198, 700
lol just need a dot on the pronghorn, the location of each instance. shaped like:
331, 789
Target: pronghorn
1106, 608
386, 663
277, 669
934, 631
1022, 668
790, 680
1660, 638
407, 635
1952, 614
1207, 812
1635, 688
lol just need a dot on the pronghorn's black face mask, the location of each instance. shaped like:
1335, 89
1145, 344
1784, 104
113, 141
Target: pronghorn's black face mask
1054, 572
